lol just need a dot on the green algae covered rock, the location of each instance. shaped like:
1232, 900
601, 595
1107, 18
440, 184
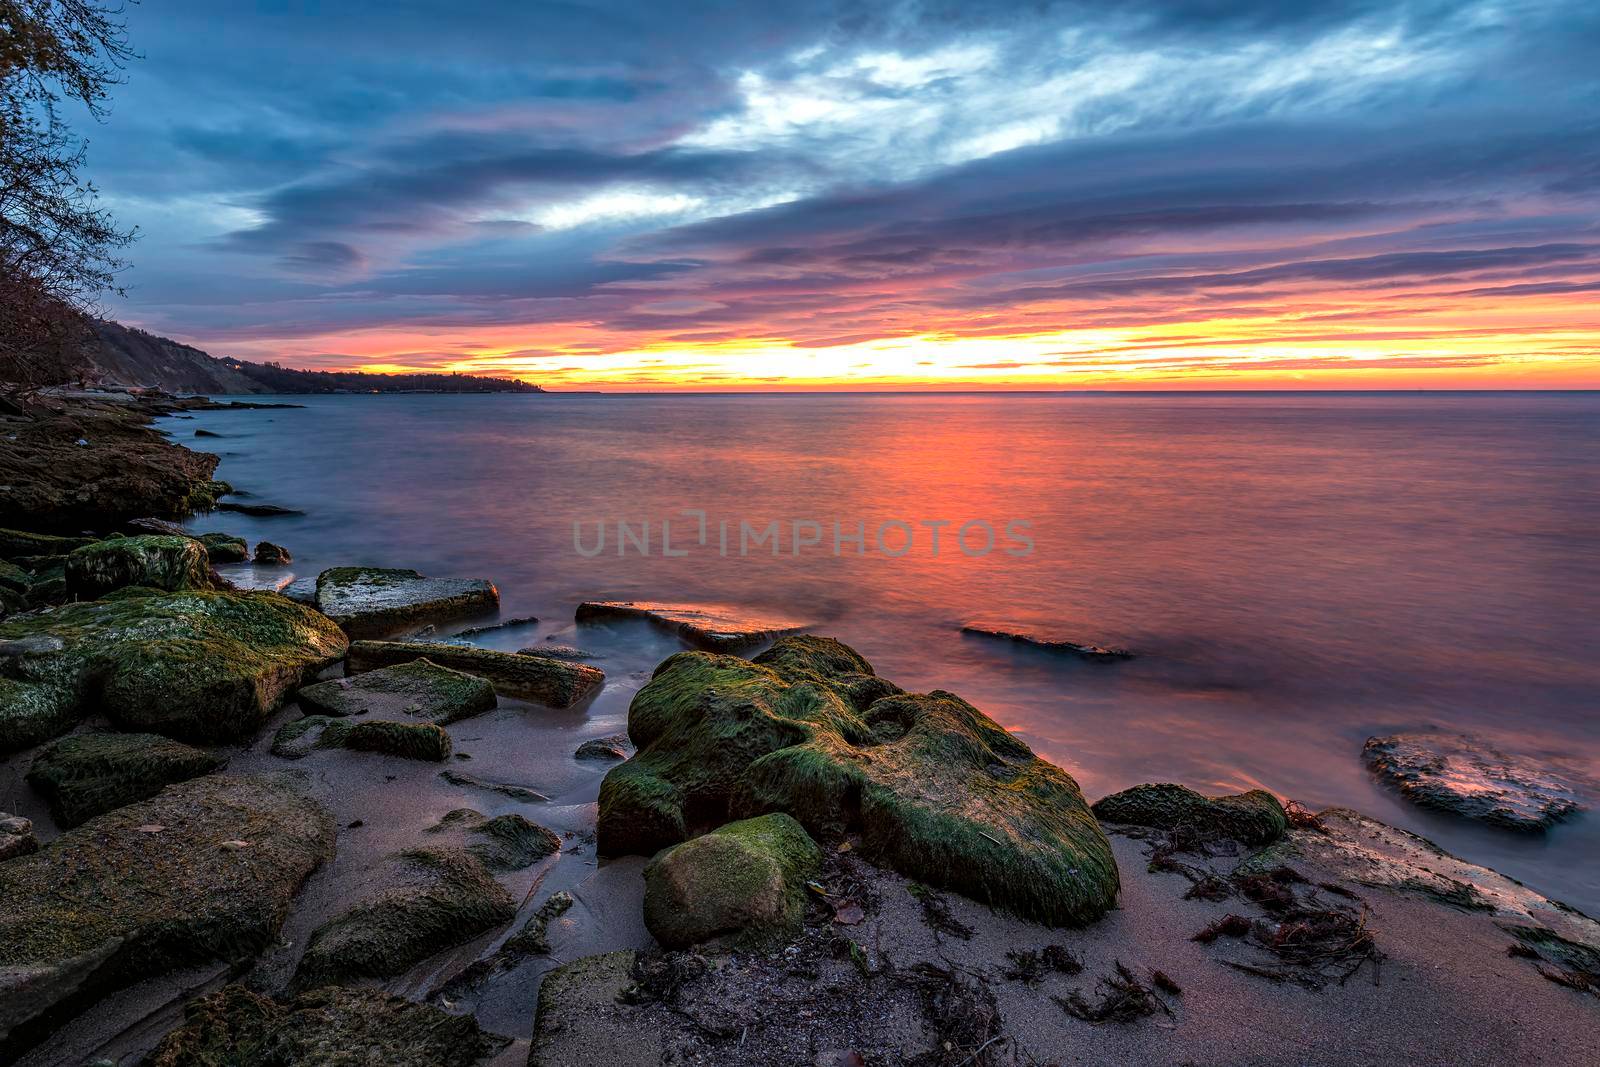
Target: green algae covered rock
14, 578
937, 790
225, 548
420, 689
743, 883
375, 602
1252, 818
235, 1027
153, 561
411, 740
544, 681
504, 843
446, 897
15, 543
198, 665
86, 774
204, 872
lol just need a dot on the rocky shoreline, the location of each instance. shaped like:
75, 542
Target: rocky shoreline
255, 829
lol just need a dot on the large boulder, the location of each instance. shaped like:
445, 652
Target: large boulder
420, 689
153, 561
544, 681
936, 789
200, 665
411, 740
1252, 818
445, 896
202, 873
380, 602
83, 775
742, 884
235, 1027
1473, 779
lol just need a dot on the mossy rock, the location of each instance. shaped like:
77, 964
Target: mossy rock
86, 774
504, 843
152, 561
376, 602
235, 1027
203, 872
447, 896
420, 689
15, 543
410, 740
1252, 818
200, 665
743, 884
544, 681
15, 578
938, 791
225, 548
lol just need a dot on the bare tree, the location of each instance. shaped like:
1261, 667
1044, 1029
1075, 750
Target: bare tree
59, 251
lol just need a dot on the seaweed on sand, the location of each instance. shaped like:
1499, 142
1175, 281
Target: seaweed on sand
1029, 966
1307, 940
1124, 998
937, 914
1564, 962
968, 1029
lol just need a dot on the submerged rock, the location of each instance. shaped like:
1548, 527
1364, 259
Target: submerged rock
410, 740
556, 652
151, 887
938, 790
503, 624
152, 561
743, 883
503, 843
83, 775
447, 896
1252, 818
717, 627
225, 548
240, 1028
1050, 642
272, 555
544, 681
505, 789
614, 747
200, 665
373, 602
260, 511
420, 689
16, 836
1464, 776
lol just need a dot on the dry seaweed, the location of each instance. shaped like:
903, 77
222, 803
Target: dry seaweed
1227, 926
937, 914
963, 1014
1029, 966
1123, 999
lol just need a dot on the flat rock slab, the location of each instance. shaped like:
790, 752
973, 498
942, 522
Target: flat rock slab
1050, 642
715, 627
545, 681
354, 1026
373, 602
420, 689
1467, 777
409, 740
202, 873
88, 774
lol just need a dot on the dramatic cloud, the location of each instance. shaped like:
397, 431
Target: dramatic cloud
873, 194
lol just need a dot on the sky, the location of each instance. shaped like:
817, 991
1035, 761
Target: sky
736, 195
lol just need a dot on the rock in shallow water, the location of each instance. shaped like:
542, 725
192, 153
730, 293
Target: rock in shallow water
446, 897
87, 774
743, 883
503, 843
420, 689
150, 887
938, 790
1467, 777
153, 561
225, 548
1050, 642
332, 1026
374, 602
544, 681
718, 627
199, 665
1253, 818
614, 747
409, 740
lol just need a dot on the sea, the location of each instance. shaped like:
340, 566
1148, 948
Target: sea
1295, 572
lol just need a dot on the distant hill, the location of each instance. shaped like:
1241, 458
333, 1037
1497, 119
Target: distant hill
128, 356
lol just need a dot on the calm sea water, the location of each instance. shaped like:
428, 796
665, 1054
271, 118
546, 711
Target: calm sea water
1297, 571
